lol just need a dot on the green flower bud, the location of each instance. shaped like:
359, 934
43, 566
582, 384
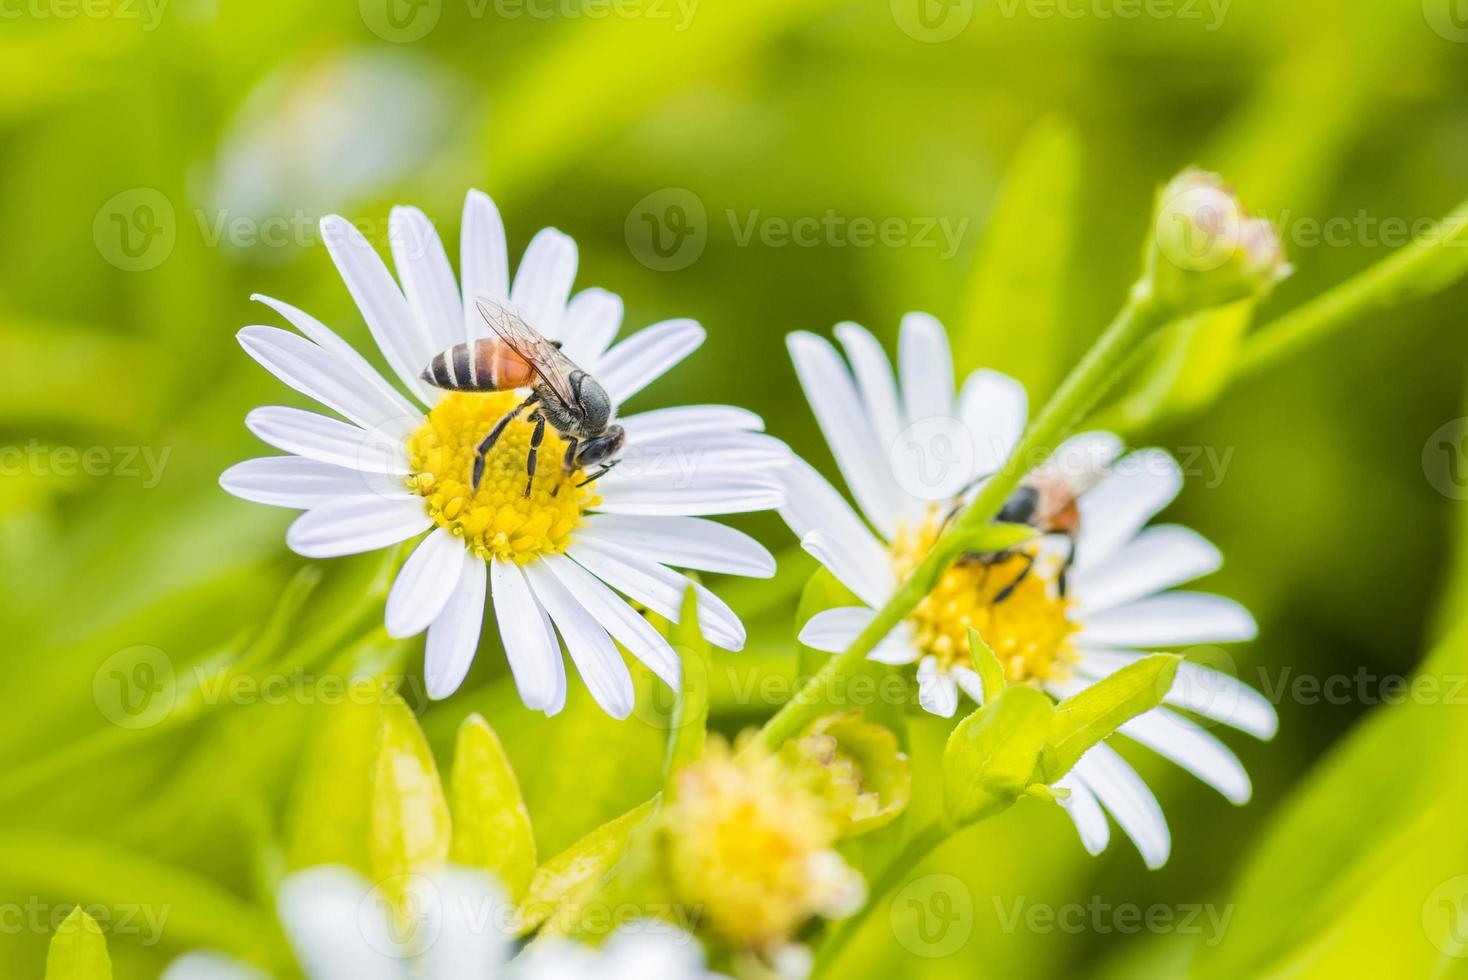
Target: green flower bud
1206, 250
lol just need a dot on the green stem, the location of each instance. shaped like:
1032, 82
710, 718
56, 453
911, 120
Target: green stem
1405, 274
1077, 394
923, 843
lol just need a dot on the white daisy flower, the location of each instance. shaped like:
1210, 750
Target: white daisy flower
398, 462
451, 926
1113, 604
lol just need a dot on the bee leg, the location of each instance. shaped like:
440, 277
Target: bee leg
598, 474
1008, 590
1070, 559
568, 463
535, 438
494, 434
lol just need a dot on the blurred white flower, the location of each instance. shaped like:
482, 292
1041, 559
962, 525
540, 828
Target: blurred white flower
1114, 606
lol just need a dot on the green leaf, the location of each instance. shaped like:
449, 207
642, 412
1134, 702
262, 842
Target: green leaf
578, 870
1012, 319
987, 666
991, 756
1082, 721
409, 815
329, 815
997, 536
78, 950
491, 827
691, 713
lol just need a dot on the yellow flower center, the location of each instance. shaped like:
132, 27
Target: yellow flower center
752, 845
1029, 629
498, 520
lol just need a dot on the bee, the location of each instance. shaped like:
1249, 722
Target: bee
1047, 500
561, 394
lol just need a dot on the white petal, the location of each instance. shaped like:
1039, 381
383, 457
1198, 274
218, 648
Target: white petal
1170, 619
926, 366
200, 965
683, 542
993, 407
812, 504
393, 406
1086, 813
1114, 510
1211, 693
593, 318
1128, 799
832, 396
403, 341
871, 583
424, 584
530, 643
328, 440
701, 452
1179, 740
597, 660
335, 928
660, 589
834, 630
300, 483
543, 281
465, 926
453, 639
1157, 559
969, 682
484, 259
624, 623
355, 525
318, 374
937, 692
711, 493
428, 279
667, 424
646, 355
874, 382
1086, 455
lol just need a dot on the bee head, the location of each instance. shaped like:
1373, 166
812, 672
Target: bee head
594, 402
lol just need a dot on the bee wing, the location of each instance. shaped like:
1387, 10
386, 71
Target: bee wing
544, 357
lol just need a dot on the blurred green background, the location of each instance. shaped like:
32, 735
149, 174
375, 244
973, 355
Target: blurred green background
160, 162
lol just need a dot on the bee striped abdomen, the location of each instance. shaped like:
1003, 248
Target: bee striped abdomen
485, 365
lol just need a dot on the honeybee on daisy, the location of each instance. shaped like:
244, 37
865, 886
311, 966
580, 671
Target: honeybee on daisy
494, 376
1062, 611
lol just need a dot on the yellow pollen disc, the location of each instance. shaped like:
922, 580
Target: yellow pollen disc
498, 521
1029, 630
